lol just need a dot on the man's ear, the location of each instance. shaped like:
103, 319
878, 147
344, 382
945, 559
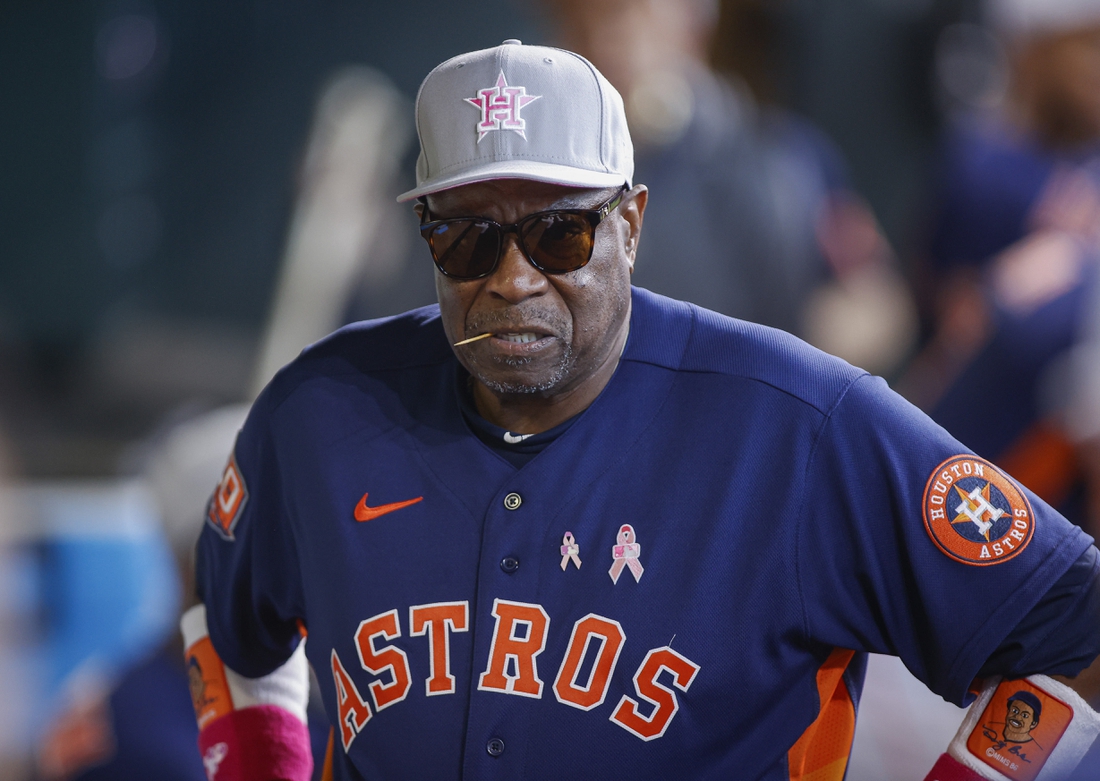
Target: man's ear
633, 211
419, 207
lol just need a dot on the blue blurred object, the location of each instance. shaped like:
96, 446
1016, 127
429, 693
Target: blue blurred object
153, 725
108, 587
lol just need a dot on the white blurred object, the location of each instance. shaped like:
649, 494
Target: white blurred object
866, 314
186, 465
359, 134
1031, 17
868, 319
902, 727
1035, 271
86, 509
1083, 411
660, 106
1074, 386
971, 67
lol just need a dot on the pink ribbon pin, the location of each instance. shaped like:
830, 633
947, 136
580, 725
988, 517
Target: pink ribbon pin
626, 553
569, 551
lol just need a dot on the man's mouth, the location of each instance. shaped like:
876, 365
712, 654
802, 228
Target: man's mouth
522, 338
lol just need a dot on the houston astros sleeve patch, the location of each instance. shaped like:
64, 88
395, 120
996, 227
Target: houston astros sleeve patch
975, 513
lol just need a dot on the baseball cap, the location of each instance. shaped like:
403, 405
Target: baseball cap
520, 112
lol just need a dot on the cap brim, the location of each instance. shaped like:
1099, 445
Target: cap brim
518, 169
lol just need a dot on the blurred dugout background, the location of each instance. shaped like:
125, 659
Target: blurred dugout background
152, 151
195, 190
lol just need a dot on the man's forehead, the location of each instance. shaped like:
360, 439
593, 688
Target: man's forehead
496, 190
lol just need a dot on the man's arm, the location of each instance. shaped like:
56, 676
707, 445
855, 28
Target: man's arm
1028, 726
250, 729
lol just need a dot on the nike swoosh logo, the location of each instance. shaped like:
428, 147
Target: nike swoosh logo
514, 439
364, 513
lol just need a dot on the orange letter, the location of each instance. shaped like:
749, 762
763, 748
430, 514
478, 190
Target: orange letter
435, 619
354, 713
645, 684
520, 650
610, 636
389, 659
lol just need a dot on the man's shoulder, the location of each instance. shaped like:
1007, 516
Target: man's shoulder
688, 338
407, 341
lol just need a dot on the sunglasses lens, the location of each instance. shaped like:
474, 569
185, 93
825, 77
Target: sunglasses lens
558, 241
555, 242
465, 249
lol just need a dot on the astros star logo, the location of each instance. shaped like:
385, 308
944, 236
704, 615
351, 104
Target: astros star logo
977, 509
500, 107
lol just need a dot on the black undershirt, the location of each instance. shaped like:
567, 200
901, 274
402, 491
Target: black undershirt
515, 453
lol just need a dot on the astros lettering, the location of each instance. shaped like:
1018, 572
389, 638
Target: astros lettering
519, 637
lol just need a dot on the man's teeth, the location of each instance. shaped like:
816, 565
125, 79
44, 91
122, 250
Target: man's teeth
518, 338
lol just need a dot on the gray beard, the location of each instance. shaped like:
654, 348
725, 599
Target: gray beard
514, 389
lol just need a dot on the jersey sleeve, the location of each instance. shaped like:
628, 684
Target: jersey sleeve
911, 545
1061, 634
247, 571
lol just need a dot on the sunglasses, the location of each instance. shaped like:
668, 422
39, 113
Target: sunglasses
555, 242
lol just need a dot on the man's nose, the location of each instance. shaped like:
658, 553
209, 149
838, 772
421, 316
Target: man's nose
515, 279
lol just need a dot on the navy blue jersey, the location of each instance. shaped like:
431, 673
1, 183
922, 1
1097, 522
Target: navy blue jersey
682, 584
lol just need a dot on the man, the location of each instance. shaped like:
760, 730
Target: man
559, 527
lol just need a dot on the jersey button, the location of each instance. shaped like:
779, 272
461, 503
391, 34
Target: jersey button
509, 564
512, 501
495, 747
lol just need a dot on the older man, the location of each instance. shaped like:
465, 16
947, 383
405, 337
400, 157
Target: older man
562, 528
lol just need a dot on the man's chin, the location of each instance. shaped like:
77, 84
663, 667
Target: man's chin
527, 386
524, 377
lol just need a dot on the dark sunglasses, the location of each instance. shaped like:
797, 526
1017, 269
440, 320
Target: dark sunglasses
555, 242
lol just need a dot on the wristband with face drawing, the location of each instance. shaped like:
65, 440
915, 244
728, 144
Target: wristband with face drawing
250, 729
1033, 729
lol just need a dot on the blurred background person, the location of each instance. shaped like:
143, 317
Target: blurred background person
1009, 286
1013, 251
1081, 407
752, 213
135, 719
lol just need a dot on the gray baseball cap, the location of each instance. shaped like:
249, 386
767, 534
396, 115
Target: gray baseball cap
520, 112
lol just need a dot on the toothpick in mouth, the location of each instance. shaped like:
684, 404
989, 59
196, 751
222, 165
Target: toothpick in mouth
472, 339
